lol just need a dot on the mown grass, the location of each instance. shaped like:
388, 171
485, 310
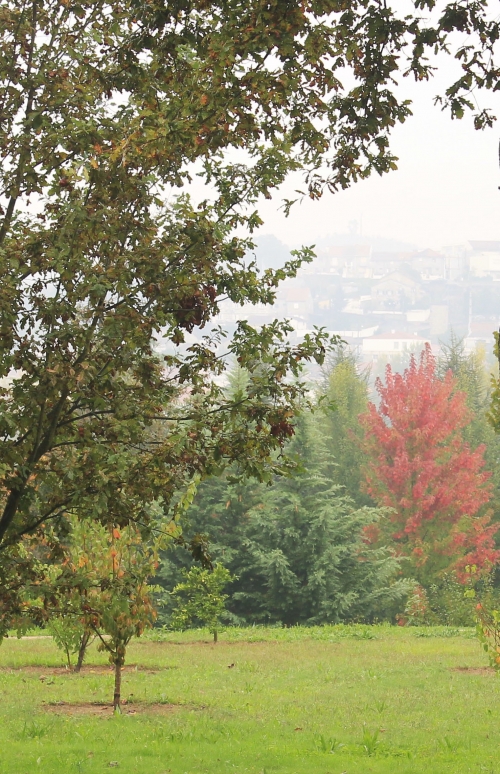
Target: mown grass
329, 700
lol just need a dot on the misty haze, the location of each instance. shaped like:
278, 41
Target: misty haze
249, 386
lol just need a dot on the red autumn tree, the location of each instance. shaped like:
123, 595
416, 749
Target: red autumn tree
419, 465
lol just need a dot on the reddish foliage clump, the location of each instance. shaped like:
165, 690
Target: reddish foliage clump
420, 466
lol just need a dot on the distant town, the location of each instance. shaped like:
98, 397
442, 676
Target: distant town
384, 298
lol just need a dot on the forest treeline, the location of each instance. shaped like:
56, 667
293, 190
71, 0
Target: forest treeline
397, 493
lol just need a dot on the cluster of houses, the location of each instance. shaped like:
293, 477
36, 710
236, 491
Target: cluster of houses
388, 303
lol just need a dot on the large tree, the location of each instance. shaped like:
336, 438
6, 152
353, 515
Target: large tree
343, 397
419, 464
108, 110
297, 547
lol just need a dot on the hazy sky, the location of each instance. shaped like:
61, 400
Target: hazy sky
444, 192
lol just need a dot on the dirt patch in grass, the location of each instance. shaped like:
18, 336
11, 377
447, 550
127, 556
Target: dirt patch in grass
106, 710
486, 670
87, 669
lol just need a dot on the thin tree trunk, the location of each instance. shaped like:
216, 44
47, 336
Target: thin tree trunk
68, 657
215, 636
117, 707
82, 650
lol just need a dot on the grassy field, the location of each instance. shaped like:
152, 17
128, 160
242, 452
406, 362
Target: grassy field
332, 700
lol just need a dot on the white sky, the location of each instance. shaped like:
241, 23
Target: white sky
445, 191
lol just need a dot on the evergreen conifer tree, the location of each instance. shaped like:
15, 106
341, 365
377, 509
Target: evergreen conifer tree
344, 394
297, 547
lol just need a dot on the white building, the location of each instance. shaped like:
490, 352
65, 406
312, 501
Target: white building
484, 261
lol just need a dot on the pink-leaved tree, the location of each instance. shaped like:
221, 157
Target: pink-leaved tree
419, 465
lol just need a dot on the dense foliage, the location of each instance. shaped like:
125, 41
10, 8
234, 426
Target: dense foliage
420, 466
108, 111
296, 547
106, 108
267, 535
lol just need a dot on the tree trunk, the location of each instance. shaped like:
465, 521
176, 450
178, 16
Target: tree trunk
117, 707
68, 657
215, 636
82, 650
10, 510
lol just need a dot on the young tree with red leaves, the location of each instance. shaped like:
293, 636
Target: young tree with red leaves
419, 464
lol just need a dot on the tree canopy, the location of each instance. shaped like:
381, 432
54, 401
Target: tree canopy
420, 466
297, 548
108, 112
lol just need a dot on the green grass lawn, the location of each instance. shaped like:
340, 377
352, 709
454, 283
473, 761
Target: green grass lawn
332, 700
